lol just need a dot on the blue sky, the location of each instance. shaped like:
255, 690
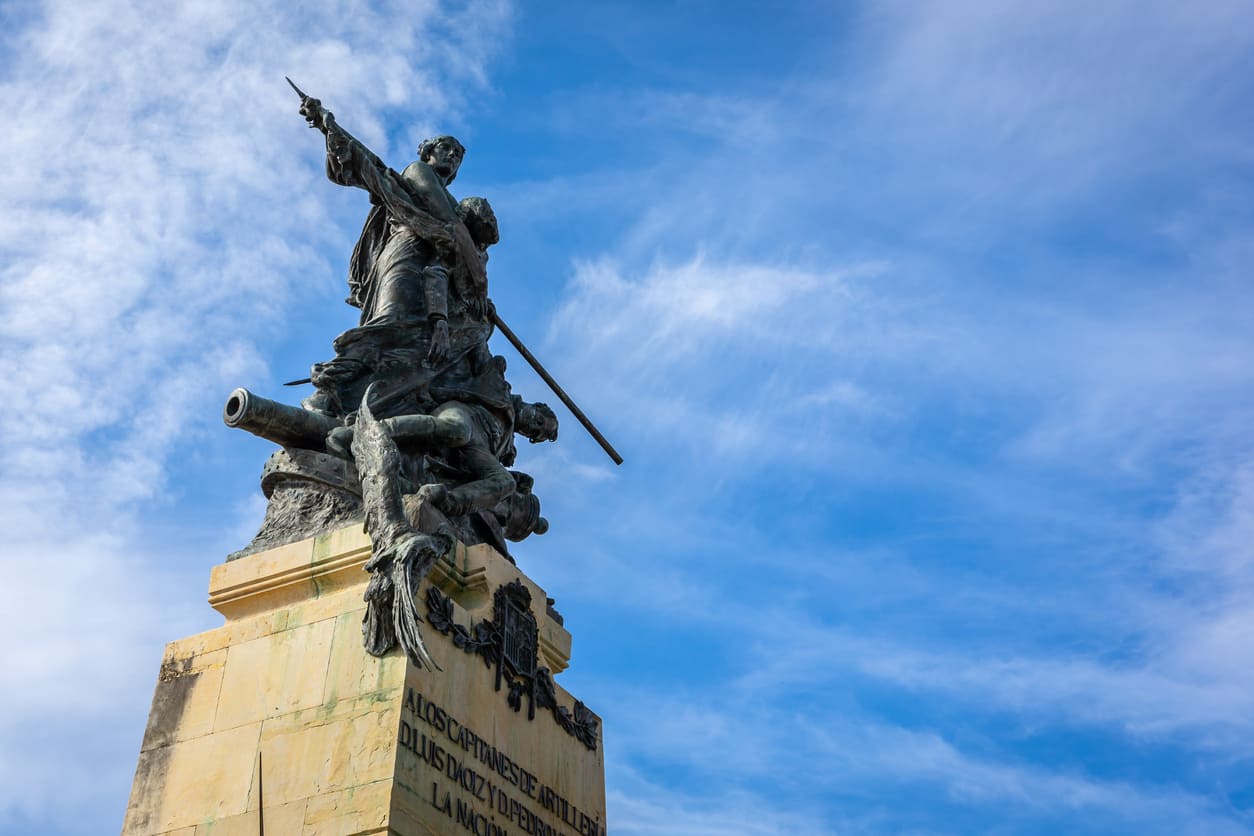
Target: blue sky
923, 328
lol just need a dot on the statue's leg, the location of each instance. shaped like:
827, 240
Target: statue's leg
446, 428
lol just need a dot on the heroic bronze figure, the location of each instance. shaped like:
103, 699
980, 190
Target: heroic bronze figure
412, 422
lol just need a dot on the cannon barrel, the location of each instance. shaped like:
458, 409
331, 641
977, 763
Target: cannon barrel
289, 426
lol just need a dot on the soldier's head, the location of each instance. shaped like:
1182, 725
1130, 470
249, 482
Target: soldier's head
534, 421
444, 155
476, 213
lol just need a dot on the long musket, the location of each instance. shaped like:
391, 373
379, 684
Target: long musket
556, 387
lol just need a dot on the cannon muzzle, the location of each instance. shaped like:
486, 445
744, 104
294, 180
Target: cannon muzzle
289, 426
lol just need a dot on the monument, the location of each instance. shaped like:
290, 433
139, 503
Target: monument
385, 667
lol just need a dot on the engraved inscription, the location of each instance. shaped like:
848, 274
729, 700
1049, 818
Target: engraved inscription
483, 789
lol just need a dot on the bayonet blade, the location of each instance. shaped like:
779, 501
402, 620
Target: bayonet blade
299, 91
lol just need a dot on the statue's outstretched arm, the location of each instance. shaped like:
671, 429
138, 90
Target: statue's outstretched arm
351, 163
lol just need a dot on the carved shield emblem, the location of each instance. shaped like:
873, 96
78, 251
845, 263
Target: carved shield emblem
519, 633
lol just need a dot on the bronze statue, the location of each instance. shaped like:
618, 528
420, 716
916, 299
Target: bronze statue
412, 422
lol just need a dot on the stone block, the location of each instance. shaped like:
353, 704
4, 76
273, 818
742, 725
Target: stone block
359, 809
203, 779
275, 674
185, 701
282, 709
280, 819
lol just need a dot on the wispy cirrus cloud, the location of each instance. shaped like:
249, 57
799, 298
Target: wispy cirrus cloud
967, 434
738, 758
158, 226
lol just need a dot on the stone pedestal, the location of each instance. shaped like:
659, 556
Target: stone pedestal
280, 723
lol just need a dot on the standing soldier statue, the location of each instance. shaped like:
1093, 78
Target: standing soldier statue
412, 422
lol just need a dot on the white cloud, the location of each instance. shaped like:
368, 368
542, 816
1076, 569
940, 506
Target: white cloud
638, 805
785, 767
1051, 356
1119, 396
157, 226
732, 356
1067, 93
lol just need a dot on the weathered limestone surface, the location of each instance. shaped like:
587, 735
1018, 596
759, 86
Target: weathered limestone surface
279, 722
